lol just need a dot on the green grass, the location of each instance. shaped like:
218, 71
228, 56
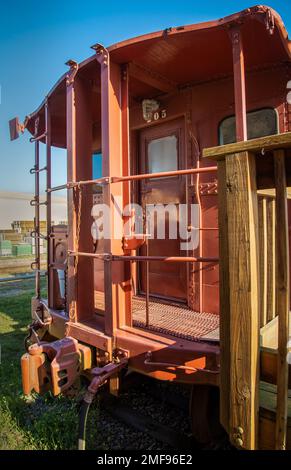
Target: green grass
44, 422
32, 422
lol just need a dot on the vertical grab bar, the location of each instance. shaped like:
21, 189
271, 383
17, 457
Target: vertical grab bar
48, 197
37, 221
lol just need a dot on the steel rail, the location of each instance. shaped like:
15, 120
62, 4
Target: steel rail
123, 179
166, 259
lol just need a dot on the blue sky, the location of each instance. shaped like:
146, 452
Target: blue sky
36, 39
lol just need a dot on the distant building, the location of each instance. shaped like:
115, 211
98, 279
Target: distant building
16, 206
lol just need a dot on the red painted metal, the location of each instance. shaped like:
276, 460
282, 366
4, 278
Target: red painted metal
48, 199
71, 176
166, 259
54, 365
164, 174
239, 83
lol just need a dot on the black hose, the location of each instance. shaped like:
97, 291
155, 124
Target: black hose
83, 415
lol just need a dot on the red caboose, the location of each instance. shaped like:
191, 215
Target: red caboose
143, 110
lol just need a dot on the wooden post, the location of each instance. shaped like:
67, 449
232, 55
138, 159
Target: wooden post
282, 297
263, 257
244, 298
224, 333
271, 257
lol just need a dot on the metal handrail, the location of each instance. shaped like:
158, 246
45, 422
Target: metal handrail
189, 171
37, 234
35, 202
34, 170
39, 137
123, 179
166, 259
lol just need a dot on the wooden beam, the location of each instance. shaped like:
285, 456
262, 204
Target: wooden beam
224, 323
271, 142
263, 257
244, 298
271, 259
151, 78
282, 297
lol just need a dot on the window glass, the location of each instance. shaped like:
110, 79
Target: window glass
163, 154
96, 174
96, 165
260, 124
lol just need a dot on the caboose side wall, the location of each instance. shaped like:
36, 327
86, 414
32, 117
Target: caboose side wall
202, 108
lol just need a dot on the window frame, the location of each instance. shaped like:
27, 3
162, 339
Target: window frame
262, 108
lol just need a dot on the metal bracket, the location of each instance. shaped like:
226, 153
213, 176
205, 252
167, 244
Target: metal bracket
35, 202
102, 54
207, 189
34, 170
102, 374
70, 77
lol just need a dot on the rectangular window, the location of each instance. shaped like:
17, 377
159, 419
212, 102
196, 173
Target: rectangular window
260, 123
163, 154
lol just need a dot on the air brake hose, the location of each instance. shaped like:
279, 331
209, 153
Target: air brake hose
83, 415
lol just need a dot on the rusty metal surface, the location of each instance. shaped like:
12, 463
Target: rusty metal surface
170, 319
176, 320
54, 366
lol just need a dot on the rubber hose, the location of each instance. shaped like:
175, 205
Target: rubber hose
83, 415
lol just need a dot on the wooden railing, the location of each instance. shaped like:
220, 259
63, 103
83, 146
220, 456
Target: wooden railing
267, 261
254, 279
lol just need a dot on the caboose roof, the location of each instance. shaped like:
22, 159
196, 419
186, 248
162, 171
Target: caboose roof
166, 60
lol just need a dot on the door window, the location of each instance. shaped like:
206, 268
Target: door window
163, 154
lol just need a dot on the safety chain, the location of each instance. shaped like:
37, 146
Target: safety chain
79, 189
76, 188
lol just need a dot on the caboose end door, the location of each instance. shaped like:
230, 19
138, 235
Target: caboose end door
161, 148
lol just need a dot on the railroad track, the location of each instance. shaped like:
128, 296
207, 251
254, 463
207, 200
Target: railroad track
144, 405
160, 411
144, 423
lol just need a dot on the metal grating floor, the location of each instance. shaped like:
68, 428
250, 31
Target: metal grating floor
171, 319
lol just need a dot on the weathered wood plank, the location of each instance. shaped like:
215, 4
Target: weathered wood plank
224, 298
262, 217
244, 298
255, 145
271, 260
282, 296
268, 404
